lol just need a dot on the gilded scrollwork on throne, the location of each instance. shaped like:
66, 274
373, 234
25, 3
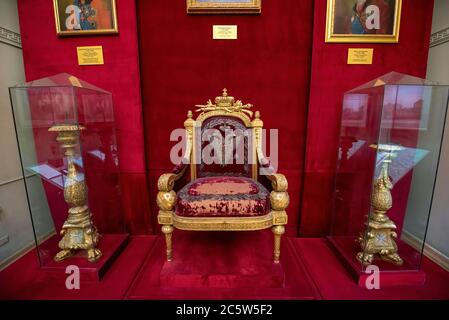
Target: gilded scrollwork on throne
226, 194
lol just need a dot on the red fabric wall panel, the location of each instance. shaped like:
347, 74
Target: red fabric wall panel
46, 54
268, 66
331, 77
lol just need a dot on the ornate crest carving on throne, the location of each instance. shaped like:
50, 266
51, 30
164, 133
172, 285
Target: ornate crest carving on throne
224, 104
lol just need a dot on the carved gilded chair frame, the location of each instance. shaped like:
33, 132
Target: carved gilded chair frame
279, 198
192, 125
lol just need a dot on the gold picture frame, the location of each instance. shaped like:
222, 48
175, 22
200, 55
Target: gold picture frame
71, 20
341, 23
224, 7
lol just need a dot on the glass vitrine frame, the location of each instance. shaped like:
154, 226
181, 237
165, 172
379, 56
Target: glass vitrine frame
66, 135
389, 151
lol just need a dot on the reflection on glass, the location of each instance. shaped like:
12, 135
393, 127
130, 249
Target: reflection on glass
64, 101
405, 117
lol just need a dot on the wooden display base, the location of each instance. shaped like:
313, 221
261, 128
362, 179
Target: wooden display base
390, 275
110, 245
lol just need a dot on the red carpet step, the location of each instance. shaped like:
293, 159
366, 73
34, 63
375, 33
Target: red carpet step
222, 265
391, 275
20, 280
136, 272
111, 245
221, 260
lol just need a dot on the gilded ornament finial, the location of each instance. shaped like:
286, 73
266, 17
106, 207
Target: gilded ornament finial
189, 114
257, 115
225, 103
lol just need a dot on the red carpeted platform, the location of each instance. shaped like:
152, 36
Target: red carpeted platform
111, 245
224, 260
335, 282
20, 280
217, 265
311, 271
346, 248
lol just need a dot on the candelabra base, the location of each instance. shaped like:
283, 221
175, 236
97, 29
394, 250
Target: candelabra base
111, 245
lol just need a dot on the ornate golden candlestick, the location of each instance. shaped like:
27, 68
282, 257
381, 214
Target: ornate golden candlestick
78, 231
378, 238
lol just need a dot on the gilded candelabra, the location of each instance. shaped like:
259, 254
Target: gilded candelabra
378, 240
78, 231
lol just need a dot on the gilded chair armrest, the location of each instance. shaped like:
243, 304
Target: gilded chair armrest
278, 182
166, 196
279, 198
166, 181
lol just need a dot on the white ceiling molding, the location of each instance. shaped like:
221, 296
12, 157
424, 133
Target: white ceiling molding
10, 37
439, 37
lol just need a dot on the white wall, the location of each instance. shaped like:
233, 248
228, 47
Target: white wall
16, 231
438, 70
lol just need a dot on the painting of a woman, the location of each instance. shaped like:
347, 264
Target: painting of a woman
85, 16
361, 12
363, 20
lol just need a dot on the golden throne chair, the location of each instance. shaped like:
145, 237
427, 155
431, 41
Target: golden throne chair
223, 195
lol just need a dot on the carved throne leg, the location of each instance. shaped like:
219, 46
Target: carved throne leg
278, 231
167, 230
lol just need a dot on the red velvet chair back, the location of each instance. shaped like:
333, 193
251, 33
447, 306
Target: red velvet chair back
224, 148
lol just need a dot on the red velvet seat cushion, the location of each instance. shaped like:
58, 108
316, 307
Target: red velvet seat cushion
223, 197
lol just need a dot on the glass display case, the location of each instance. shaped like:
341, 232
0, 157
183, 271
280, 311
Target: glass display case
67, 141
390, 142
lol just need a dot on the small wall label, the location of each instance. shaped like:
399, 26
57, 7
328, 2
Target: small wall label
88, 56
360, 56
225, 32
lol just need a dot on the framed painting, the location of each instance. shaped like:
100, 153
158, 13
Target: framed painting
224, 6
363, 21
79, 17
